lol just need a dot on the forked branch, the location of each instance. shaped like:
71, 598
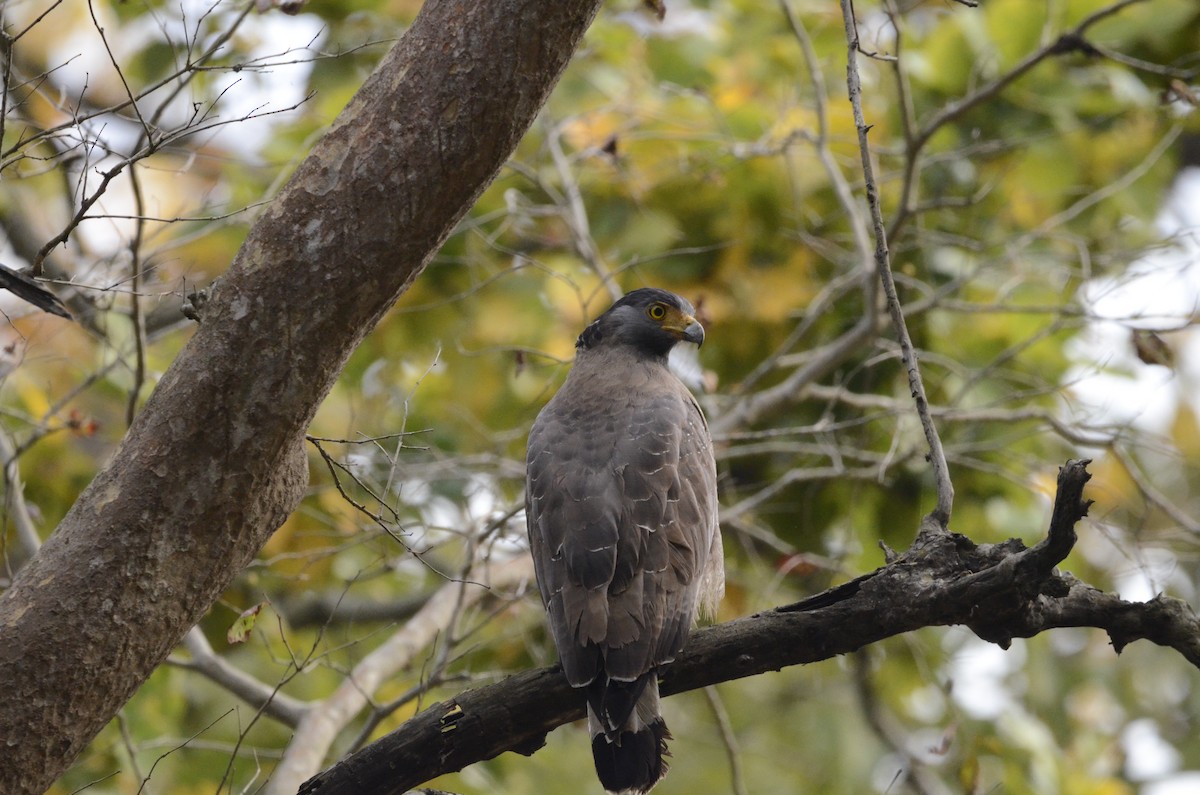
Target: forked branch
1000, 591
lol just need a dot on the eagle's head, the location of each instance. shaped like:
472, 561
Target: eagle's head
648, 320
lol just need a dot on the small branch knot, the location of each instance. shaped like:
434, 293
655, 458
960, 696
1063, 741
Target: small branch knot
1073, 42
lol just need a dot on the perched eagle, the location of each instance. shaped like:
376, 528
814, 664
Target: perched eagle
621, 502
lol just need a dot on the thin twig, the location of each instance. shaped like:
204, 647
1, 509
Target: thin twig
120, 74
953, 110
136, 317
15, 507
728, 738
937, 457
317, 732
284, 708
887, 728
917, 139
1107, 191
1151, 494
908, 125
575, 214
127, 741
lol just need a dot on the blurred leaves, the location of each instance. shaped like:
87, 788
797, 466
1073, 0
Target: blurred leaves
702, 161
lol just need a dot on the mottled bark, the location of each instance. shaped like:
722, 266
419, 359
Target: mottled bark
215, 461
1000, 591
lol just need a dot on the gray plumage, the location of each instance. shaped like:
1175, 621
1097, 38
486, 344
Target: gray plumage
621, 504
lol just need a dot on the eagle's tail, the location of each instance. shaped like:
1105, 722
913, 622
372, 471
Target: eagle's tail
629, 737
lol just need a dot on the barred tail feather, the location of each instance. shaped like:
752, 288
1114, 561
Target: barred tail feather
629, 738
633, 762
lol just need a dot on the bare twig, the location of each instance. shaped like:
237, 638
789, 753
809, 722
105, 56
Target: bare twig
15, 508
1071, 40
1112, 188
130, 750
316, 733
146, 131
178, 747
908, 124
916, 138
1151, 494
890, 731
937, 457
136, 317
575, 215
204, 660
728, 738
791, 390
80, 115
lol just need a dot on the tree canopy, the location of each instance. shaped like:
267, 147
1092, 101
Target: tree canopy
1031, 164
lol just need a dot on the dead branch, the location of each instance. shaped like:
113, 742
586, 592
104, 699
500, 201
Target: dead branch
1000, 591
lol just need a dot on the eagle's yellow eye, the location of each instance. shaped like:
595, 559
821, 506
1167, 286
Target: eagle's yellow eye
657, 311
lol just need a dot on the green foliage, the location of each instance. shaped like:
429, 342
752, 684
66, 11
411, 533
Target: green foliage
697, 153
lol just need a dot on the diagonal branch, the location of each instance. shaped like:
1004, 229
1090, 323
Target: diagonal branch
318, 730
937, 456
287, 709
1071, 41
1000, 591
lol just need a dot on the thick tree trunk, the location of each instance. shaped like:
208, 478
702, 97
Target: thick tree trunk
215, 461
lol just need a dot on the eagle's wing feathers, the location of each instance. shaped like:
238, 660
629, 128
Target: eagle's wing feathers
622, 504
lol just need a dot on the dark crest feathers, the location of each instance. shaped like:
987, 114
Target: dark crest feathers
618, 316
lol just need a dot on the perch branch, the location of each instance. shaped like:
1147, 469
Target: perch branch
1000, 591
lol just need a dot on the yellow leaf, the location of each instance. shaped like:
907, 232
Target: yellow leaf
240, 630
